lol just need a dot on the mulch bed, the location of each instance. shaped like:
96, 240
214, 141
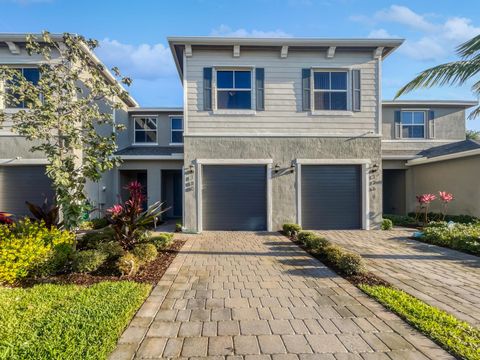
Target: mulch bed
150, 273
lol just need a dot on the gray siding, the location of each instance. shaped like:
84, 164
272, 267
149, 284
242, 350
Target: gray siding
283, 94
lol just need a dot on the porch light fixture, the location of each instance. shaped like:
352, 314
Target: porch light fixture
277, 168
374, 168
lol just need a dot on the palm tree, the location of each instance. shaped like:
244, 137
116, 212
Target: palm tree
452, 73
472, 135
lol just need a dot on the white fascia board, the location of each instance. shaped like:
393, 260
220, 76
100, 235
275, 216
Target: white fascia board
178, 156
399, 157
332, 161
425, 160
234, 161
20, 161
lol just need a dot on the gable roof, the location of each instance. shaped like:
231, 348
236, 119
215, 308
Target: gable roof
447, 152
178, 43
21, 38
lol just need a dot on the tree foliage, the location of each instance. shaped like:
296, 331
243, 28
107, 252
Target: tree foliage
452, 73
63, 112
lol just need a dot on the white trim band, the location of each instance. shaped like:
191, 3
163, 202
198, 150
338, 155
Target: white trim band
20, 161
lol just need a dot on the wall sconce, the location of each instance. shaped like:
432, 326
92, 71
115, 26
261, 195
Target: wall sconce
375, 168
277, 168
292, 169
191, 167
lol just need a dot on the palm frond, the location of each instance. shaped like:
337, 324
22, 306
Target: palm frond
453, 73
474, 114
469, 47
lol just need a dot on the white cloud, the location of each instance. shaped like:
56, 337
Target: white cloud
142, 61
380, 34
403, 15
434, 40
225, 30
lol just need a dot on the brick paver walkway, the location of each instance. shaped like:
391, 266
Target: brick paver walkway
246, 296
444, 278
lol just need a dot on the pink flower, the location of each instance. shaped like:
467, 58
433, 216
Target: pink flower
115, 210
445, 196
425, 199
134, 186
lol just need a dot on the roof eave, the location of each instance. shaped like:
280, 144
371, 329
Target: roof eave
459, 103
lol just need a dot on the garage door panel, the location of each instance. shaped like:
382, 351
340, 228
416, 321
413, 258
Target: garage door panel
234, 197
331, 196
23, 183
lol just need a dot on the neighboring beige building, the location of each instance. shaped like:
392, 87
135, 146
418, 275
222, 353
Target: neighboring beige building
272, 131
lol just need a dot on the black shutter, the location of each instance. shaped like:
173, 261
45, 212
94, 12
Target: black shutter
356, 95
431, 124
260, 88
306, 74
207, 88
397, 125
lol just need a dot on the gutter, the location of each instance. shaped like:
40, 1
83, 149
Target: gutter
425, 160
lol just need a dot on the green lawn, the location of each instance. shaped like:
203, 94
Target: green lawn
457, 336
66, 321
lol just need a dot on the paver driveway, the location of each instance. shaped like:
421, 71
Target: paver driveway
447, 279
259, 297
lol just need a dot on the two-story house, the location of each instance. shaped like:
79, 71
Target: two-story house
275, 131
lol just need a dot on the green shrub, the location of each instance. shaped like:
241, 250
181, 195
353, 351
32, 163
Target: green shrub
29, 248
463, 237
99, 223
88, 260
291, 230
306, 237
86, 225
145, 253
178, 227
312, 241
333, 253
112, 249
92, 239
128, 264
351, 264
319, 244
161, 240
387, 224
401, 220
462, 219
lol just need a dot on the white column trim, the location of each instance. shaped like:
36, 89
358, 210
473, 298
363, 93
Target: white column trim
298, 184
269, 197
365, 197
198, 192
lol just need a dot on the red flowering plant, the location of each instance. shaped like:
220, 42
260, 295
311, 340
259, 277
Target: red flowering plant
6, 218
129, 221
446, 197
424, 201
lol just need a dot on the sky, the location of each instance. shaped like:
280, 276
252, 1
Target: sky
133, 34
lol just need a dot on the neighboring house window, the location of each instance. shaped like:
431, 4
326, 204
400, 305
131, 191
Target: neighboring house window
145, 130
413, 124
30, 74
177, 130
234, 89
330, 90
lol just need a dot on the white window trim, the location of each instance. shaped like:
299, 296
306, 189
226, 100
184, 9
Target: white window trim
215, 90
348, 110
134, 143
176, 130
199, 179
364, 163
424, 111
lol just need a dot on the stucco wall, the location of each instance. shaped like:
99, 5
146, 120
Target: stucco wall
458, 176
282, 151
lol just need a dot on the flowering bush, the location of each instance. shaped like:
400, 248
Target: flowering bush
464, 237
28, 249
424, 201
129, 221
6, 218
446, 198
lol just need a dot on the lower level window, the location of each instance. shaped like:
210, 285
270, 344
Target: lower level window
413, 124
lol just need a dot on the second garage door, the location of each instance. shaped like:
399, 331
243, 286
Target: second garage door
23, 183
331, 197
234, 197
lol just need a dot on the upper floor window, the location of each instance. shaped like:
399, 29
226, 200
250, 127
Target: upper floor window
177, 130
413, 124
30, 74
145, 130
330, 90
234, 89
